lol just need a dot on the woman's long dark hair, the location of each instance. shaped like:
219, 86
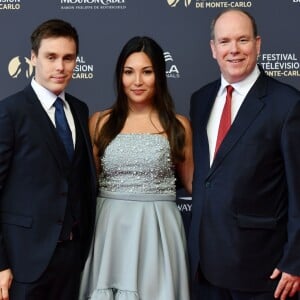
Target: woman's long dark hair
162, 101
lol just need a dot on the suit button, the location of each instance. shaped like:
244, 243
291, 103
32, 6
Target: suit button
207, 184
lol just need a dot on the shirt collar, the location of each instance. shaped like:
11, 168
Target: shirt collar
241, 87
46, 97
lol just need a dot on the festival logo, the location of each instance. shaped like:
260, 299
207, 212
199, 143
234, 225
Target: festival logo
280, 64
171, 69
20, 67
173, 3
10, 4
211, 3
83, 70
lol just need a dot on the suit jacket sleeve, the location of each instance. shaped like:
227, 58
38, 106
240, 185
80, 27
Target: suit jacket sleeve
290, 261
6, 150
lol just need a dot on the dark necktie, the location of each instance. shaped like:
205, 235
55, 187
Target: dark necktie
63, 128
225, 121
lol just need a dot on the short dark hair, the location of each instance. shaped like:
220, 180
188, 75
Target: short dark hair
213, 23
53, 28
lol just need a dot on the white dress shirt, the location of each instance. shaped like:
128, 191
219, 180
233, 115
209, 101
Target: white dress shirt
241, 90
47, 100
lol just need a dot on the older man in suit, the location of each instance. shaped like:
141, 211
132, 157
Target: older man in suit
244, 238
47, 176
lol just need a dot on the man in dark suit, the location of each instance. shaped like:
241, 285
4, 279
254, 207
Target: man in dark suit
47, 185
244, 240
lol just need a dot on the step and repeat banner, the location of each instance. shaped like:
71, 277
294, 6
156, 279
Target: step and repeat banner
181, 27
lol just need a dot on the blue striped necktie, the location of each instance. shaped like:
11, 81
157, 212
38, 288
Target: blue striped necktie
63, 128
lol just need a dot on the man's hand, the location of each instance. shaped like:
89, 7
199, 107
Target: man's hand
6, 278
287, 286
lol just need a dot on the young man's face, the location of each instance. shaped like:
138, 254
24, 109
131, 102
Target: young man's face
54, 63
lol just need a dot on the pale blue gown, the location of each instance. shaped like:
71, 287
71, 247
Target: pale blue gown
139, 246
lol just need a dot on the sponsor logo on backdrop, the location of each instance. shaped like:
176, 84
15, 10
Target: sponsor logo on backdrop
20, 67
296, 1
82, 69
184, 204
92, 4
211, 3
10, 4
171, 68
280, 64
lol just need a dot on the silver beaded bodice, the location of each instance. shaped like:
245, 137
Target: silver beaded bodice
138, 163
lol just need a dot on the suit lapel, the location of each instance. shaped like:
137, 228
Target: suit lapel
247, 113
81, 121
203, 138
75, 112
45, 126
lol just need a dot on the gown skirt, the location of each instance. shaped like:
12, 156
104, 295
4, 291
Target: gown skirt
138, 251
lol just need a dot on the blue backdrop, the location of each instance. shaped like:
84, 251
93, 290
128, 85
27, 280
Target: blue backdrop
181, 27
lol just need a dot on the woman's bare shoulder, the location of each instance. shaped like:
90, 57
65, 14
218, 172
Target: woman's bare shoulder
183, 120
98, 118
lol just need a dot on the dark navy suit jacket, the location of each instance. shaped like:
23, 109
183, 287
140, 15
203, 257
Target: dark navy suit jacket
246, 206
34, 184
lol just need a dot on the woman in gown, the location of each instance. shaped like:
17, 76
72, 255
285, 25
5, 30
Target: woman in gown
139, 247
